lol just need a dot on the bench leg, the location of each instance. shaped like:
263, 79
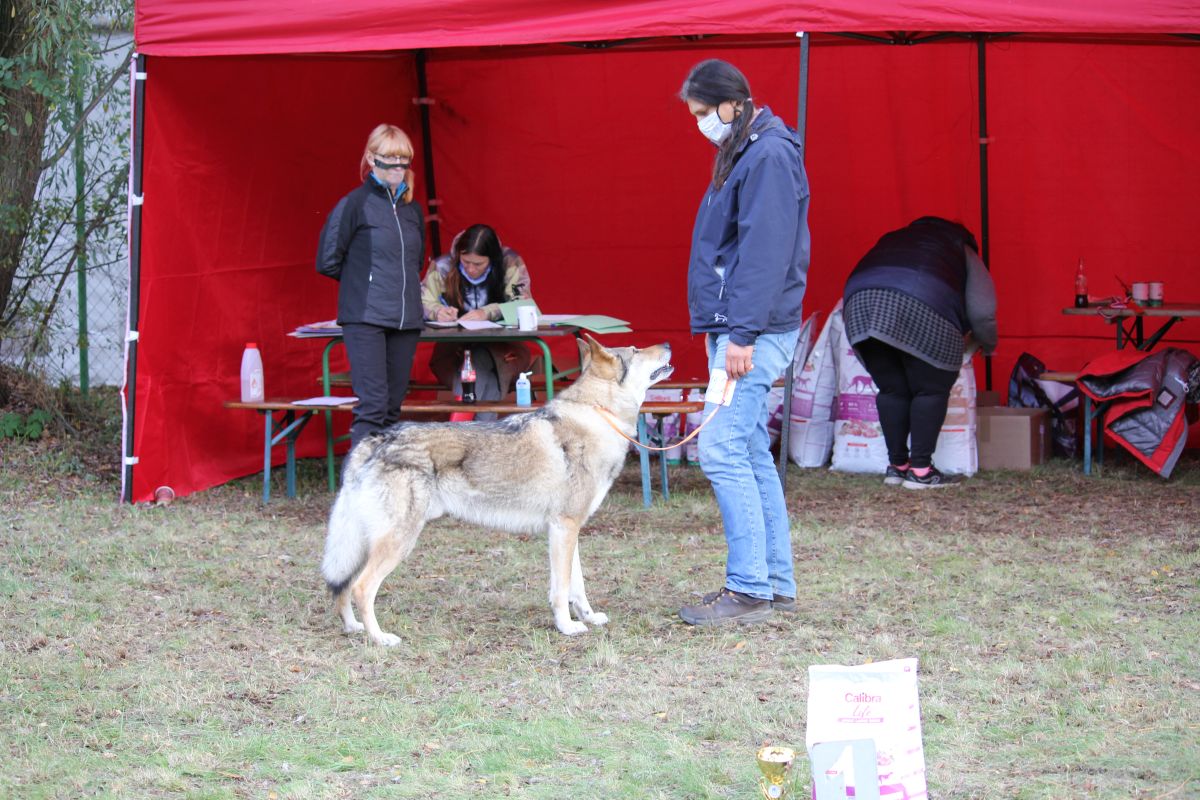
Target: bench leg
644, 458
1087, 435
268, 425
288, 418
329, 448
662, 458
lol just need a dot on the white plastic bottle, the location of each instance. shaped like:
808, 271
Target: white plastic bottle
524, 395
252, 374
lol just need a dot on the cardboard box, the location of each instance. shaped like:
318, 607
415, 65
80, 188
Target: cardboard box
987, 397
1012, 438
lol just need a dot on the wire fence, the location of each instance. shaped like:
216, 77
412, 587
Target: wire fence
73, 283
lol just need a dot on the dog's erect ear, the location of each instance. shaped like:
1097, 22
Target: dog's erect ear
585, 353
593, 355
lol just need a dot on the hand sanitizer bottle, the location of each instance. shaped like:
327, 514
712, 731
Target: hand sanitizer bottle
524, 395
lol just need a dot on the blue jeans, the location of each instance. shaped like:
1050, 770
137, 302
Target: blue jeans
735, 454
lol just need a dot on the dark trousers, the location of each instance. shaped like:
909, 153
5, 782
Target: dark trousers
912, 401
380, 362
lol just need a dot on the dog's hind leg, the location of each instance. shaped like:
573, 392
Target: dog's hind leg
578, 598
564, 536
386, 553
345, 609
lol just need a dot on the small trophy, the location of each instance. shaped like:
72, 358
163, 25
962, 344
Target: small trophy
775, 763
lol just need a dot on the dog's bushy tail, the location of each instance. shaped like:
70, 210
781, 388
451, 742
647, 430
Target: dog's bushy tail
347, 542
345, 545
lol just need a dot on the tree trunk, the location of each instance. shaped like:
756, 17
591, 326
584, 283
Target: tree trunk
21, 144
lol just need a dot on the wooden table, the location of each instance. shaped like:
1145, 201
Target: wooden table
1129, 321
460, 335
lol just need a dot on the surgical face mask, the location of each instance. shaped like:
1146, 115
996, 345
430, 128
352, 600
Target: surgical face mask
713, 128
474, 281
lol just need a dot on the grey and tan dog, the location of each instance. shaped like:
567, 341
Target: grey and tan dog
544, 471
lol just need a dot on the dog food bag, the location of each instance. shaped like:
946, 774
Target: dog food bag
813, 393
873, 701
691, 450
858, 444
957, 448
775, 398
670, 424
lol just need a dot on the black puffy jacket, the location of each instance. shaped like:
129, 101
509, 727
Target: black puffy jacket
375, 249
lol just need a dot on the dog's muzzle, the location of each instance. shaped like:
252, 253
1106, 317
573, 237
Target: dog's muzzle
662, 372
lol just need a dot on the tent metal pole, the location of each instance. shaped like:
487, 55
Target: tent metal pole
785, 429
984, 232
135, 270
423, 102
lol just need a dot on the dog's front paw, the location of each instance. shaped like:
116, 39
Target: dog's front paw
595, 618
353, 626
570, 627
386, 639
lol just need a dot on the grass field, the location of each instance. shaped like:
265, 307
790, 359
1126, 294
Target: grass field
189, 651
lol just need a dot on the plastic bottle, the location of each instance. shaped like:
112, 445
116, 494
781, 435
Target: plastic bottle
1081, 293
252, 374
524, 395
467, 378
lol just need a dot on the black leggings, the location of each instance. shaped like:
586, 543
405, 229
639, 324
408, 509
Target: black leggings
912, 401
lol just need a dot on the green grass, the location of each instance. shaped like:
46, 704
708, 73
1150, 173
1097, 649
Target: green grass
190, 651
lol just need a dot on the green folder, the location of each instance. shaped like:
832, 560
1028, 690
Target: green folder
599, 323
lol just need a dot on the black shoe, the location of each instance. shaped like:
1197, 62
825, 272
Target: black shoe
726, 606
779, 602
894, 475
934, 479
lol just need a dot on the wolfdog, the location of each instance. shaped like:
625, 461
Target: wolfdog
539, 472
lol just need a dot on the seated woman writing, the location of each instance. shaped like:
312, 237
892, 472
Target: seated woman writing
470, 283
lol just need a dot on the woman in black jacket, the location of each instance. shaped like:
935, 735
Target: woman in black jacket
917, 301
373, 243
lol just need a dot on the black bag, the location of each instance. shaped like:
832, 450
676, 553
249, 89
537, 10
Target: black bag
1024, 391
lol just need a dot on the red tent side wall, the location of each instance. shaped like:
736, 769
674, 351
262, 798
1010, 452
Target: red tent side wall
244, 157
587, 163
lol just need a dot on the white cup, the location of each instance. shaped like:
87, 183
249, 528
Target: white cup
527, 318
1156, 293
1141, 292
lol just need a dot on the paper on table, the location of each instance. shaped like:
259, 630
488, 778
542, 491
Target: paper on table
478, 324
433, 323
327, 400
315, 329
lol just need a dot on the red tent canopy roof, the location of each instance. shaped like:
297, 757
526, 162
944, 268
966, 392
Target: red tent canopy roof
237, 27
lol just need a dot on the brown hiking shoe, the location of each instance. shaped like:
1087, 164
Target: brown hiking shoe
779, 602
726, 606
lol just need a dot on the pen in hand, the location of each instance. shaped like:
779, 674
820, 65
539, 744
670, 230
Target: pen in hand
447, 313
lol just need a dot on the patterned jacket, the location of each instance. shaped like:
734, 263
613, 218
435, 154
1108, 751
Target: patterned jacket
516, 284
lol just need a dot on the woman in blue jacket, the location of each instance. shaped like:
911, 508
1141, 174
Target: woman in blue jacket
746, 280
373, 243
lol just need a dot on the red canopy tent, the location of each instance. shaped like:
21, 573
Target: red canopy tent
559, 124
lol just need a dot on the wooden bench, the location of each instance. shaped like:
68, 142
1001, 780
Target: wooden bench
285, 418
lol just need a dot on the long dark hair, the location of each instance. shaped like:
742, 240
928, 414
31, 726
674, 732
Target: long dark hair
477, 240
713, 82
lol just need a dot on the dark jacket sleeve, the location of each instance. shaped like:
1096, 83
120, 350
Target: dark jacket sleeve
980, 299
767, 228
335, 239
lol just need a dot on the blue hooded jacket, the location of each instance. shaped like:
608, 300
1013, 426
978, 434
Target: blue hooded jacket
750, 246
